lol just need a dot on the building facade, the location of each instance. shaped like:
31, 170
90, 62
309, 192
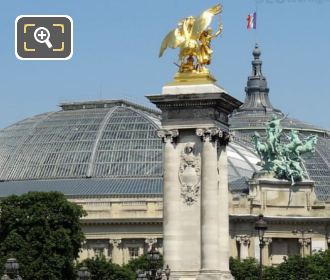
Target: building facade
107, 157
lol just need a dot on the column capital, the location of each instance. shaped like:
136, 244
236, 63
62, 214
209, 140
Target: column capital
209, 134
225, 139
150, 241
304, 241
243, 239
84, 244
115, 242
168, 136
213, 134
267, 241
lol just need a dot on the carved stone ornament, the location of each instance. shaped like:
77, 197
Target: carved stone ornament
168, 135
190, 174
209, 133
267, 241
243, 239
115, 242
151, 241
304, 241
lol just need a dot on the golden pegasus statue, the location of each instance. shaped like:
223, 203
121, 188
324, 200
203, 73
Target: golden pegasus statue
193, 35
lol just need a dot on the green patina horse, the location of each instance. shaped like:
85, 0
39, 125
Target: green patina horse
308, 145
283, 159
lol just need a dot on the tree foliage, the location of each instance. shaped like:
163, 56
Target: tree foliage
143, 263
42, 231
102, 269
314, 267
244, 270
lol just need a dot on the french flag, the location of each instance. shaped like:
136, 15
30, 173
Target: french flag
252, 21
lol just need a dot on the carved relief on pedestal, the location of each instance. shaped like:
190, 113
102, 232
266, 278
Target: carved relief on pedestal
190, 174
168, 135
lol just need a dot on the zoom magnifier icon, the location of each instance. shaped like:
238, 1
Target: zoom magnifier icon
42, 36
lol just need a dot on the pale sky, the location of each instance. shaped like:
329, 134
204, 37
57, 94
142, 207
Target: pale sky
116, 46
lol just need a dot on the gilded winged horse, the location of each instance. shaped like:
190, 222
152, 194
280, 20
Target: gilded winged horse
193, 36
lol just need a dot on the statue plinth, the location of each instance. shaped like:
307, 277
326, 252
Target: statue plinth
194, 106
191, 82
264, 174
279, 198
194, 77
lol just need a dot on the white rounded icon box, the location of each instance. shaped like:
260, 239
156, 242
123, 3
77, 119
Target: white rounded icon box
44, 37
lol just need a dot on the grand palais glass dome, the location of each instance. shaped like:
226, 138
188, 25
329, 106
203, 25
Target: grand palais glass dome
94, 148
111, 148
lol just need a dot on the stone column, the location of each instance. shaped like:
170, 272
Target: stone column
223, 198
209, 202
83, 254
117, 252
265, 253
171, 196
305, 244
106, 252
244, 241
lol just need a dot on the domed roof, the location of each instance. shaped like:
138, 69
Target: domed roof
98, 140
82, 140
257, 110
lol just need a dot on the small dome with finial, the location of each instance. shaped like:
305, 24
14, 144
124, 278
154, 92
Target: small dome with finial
256, 52
256, 89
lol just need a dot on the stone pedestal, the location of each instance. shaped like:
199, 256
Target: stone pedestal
188, 89
275, 197
196, 223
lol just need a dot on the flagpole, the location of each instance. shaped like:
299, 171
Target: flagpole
257, 21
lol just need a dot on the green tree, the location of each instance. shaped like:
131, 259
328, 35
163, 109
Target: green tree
292, 268
314, 267
42, 231
319, 265
247, 269
143, 263
101, 269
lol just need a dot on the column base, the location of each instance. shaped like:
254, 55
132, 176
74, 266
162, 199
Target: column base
184, 275
214, 275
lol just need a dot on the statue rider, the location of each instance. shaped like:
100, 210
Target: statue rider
273, 132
